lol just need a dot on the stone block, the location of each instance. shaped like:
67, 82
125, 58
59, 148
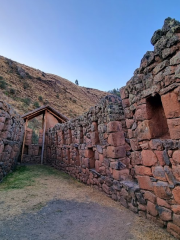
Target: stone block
125, 103
129, 123
175, 60
120, 174
174, 128
148, 158
176, 194
159, 173
159, 155
162, 190
135, 144
149, 196
89, 153
136, 158
145, 182
156, 144
176, 172
176, 156
173, 229
160, 66
116, 152
141, 113
164, 213
176, 219
94, 138
143, 131
114, 126
141, 170
151, 208
116, 139
171, 104
163, 203
176, 209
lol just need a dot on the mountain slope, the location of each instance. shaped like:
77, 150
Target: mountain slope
26, 88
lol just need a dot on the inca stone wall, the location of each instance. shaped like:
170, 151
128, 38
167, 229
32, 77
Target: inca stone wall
32, 152
130, 149
11, 136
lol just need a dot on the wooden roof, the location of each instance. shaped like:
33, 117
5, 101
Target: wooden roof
38, 111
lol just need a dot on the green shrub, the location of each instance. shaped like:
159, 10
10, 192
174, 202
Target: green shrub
36, 105
1, 78
26, 101
12, 91
40, 98
57, 95
25, 85
3, 84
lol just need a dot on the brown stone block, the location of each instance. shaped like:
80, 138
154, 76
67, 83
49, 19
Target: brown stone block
175, 59
123, 93
173, 229
162, 190
148, 158
163, 203
176, 209
143, 131
176, 194
171, 104
176, 172
120, 174
114, 126
176, 156
149, 196
141, 113
116, 139
129, 123
159, 155
94, 138
141, 170
151, 208
145, 182
176, 219
135, 144
174, 128
136, 158
164, 213
159, 173
116, 152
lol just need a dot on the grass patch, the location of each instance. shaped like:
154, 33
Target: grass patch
25, 176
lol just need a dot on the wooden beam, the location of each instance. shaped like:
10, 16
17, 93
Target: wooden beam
56, 116
24, 139
44, 131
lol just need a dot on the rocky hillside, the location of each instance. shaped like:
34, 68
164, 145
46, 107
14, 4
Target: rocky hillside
26, 88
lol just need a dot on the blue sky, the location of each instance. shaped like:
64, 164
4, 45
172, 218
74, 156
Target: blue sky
98, 42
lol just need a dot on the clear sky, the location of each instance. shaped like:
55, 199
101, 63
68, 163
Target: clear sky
98, 42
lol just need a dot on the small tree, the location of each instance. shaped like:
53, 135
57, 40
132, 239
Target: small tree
76, 82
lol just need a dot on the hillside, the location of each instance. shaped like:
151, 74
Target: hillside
26, 88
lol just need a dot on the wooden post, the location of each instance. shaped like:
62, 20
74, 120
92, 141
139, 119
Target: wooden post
24, 139
44, 131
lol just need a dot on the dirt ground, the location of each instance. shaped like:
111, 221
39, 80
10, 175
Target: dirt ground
51, 205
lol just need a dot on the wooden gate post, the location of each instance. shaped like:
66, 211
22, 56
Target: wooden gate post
44, 131
24, 139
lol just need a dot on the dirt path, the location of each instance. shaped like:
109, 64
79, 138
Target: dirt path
52, 205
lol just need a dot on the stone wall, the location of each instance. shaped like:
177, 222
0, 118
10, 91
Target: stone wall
32, 152
130, 149
152, 111
11, 136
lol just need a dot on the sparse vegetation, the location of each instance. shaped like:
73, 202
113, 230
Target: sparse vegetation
12, 91
25, 85
35, 137
115, 92
40, 98
36, 105
26, 101
57, 95
3, 84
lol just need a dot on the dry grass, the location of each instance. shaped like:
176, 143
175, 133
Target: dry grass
31, 187
66, 97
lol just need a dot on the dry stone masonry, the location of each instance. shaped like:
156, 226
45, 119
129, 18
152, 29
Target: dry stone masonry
128, 147
11, 136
